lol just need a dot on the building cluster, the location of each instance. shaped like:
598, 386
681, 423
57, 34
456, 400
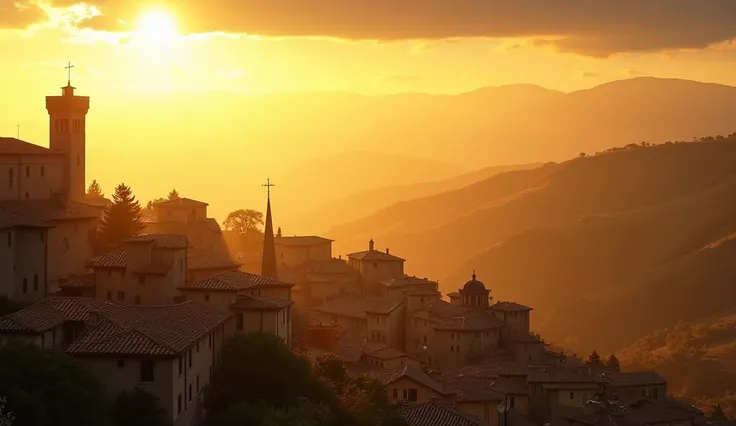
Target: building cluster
154, 312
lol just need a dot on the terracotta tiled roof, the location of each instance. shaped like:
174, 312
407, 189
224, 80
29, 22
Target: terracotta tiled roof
52, 209
636, 378
163, 241
113, 259
49, 313
15, 146
413, 372
84, 281
233, 281
369, 255
299, 241
13, 219
473, 389
198, 258
436, 414
248, 302
509, 307
356, 307
407, 281
382, 351
181, 203
147, 330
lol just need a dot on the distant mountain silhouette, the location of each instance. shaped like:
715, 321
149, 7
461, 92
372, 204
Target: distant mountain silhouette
356, 205
213, 134
605, 248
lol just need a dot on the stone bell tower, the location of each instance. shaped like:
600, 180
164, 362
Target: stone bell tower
67, 134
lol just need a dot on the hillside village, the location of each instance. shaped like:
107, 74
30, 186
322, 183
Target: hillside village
156, 310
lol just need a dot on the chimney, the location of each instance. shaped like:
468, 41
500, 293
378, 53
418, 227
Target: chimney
370, 245
387, 252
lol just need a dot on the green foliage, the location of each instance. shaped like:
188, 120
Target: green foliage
137, 408
122, 218
94, 189
243, 221
261, 382
8, 306
613, 363
44, 387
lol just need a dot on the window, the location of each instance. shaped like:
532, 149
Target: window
375, 264
206, 297
404, 394
452, 349
147, 368
141, 279
178, 404
396, 393
412, 394
25, 285
190, 392
10, 178
240, 322
121, 295
35, 282
121, 363
572, 395
27, 194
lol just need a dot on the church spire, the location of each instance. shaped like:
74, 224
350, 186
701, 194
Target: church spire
268, 261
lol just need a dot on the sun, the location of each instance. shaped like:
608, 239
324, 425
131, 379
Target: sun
156, 25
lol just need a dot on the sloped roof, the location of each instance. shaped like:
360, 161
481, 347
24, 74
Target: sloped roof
301, 240
13, 146
49, 313
147, 330
162, 241
113, 259
411, 371
509, 307
199, 259
83, 281
181, 203
436, 414
376, 255
233, 281
13, 219
636, 378
356, 307
473, 389
406, 281
52, 209
563, 375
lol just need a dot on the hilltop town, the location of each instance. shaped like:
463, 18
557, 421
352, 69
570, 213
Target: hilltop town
156, 310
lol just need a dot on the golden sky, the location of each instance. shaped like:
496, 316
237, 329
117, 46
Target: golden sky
126, 49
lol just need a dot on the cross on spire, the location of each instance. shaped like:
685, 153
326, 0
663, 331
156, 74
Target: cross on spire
268, 186
69, 73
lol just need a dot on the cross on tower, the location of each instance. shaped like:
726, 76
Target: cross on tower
268, 186
69, 73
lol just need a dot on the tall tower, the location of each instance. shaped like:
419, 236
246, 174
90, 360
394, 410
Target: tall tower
268, 260
67, 134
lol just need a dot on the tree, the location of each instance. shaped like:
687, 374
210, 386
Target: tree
94, 189
122, 218
150, 204
137, 408
243, 221
594, 360
45, 387
613, 363
717, 412
173, 195
6, 417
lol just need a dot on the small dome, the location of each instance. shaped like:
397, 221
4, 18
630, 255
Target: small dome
474, 286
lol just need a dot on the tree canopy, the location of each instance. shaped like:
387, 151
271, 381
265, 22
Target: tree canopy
45, 387
261, 382
243, 221
594, 360
613, 363
94, 189
136, 408
122, 218
173, 195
